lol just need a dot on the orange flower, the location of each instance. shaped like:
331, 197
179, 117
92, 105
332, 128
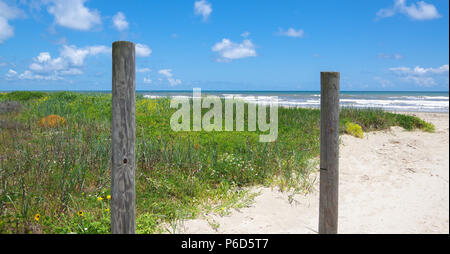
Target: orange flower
52, 121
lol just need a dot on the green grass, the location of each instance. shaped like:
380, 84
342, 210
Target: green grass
58, 172
21, 96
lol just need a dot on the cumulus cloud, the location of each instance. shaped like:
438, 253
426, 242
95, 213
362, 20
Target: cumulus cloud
76, 56
142, 50
73, 14
6, 30
291, 32
202, 8
43, 57
167, 73
120, 22
229, 50
11, 74
8, 13
417, 11
419, 75
69, 62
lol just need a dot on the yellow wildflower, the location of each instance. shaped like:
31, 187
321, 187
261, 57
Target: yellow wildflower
99, 199
80, 213
108, 197
37, 217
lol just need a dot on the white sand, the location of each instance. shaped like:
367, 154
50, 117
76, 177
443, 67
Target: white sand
390, 182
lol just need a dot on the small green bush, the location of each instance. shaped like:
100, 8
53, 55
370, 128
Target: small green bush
23, 96
354, 130
411, 122
65, 96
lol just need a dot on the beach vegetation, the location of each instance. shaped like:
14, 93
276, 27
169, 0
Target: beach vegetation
354, 130
52, 121
63, 173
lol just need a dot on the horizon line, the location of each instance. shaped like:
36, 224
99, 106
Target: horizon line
212, 90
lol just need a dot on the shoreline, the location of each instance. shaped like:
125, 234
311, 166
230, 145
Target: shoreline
393, 181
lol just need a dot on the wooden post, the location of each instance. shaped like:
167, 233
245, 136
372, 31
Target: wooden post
329, 152
123, 129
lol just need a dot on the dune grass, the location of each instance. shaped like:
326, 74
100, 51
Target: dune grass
57, 180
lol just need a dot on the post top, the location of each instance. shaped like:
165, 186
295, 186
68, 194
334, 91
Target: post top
122, 42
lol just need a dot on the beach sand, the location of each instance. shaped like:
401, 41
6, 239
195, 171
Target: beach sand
392, 181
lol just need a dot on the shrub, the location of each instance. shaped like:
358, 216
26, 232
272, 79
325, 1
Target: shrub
65, 96
52, 121
354, 130
23, 96
411, 122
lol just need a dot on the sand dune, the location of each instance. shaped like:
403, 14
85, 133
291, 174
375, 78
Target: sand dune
390, 182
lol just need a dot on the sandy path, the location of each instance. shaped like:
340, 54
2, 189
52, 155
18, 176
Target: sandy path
390, 182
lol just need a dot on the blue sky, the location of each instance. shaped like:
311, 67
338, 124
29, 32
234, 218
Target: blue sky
392, 45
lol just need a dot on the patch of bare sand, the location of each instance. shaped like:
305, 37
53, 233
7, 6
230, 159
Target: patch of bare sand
390, 182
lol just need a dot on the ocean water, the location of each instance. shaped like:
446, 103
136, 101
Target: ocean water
392, 101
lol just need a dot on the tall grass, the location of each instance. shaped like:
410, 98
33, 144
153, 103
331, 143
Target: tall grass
63, 173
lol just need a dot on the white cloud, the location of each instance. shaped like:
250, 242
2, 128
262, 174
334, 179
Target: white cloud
95, 50
419, 75
45, 64
202, 8
120, 21
417, 11
143, 70
167, 73
71, 71
229, 50
69, 62
76, 56
390, 56
421, 81
43, 57
73, 14
174, 82
6, 31
8, 13
147, 80
11, 74
245, 34
291, 32
31, 76
421, 71
142, 50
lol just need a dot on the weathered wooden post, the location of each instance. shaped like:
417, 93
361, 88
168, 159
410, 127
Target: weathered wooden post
123, 129
329, 152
